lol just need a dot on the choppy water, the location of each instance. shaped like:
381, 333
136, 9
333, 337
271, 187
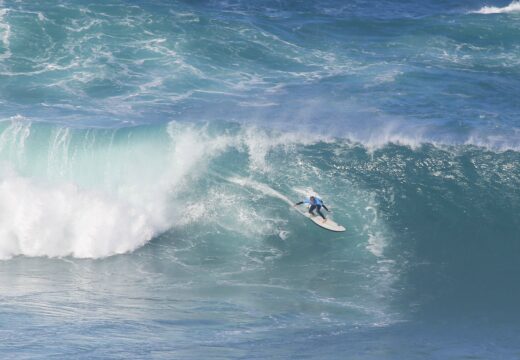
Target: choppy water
150, 153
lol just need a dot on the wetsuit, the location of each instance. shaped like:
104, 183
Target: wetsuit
316, 204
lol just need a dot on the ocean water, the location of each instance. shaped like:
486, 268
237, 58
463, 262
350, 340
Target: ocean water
150, 152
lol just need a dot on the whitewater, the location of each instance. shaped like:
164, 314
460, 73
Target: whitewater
151, 153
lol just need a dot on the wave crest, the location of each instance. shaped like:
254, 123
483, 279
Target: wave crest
511, 8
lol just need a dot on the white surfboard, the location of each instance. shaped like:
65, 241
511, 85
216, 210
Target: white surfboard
329, 224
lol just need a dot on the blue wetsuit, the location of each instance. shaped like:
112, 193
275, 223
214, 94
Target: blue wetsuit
316, 203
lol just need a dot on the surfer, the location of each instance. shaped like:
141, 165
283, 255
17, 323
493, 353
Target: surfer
315, 202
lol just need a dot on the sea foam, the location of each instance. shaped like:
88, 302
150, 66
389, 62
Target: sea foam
511, 8
91, 199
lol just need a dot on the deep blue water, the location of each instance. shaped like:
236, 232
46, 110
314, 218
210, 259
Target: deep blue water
150, 152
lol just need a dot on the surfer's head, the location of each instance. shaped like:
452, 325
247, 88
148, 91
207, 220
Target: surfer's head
311, 198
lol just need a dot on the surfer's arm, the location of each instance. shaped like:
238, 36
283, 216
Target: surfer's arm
324, 207
299, 203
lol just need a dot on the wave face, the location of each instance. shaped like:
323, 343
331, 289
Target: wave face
150, 153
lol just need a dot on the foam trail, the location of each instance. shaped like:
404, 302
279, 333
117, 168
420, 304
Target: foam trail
263, 188
511, 8
266, 190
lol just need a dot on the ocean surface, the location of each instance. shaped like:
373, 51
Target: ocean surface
150, 152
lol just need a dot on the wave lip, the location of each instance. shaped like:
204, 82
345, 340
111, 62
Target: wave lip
511, 8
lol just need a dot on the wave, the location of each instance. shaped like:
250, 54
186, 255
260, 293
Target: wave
412, 212
514, 7
94, 193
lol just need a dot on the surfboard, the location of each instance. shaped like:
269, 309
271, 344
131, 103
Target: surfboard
330, 224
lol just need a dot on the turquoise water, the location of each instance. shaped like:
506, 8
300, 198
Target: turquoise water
150, 153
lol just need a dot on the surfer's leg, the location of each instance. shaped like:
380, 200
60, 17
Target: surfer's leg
312, 208
318, 209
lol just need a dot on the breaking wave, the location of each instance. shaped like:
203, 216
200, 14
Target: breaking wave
514, 7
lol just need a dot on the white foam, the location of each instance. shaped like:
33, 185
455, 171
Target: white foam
62, 220
56, 217
511, 8
5, 34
